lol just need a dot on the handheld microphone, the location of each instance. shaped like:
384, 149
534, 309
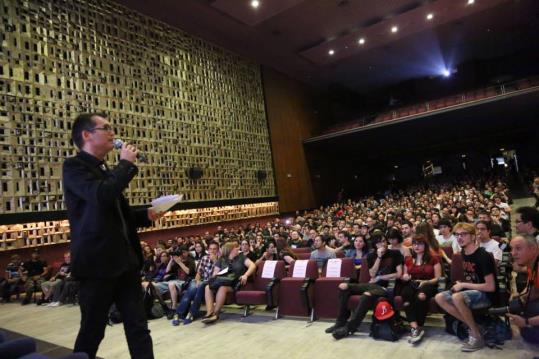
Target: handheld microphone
117, 143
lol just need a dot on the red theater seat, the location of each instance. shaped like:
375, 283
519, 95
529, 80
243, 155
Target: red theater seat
296, 290
326, 292
265, 287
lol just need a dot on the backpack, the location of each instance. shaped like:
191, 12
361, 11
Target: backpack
154, 309
384, 319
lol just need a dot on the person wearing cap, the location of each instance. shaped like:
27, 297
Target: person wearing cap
384, 264
420, 279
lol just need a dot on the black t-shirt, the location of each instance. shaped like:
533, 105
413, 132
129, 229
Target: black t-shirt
390, 260
477, 266
35, 267
236, 265
189, 262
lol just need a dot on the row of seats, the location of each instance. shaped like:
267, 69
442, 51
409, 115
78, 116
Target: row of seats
307, 293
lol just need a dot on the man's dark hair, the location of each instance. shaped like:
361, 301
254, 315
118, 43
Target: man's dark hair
445, 222
394, 233
486, 224
83, 122
529, 214
408, 223
346, 234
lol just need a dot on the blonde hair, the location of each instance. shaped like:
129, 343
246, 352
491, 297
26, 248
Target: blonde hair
468, 227
228, 247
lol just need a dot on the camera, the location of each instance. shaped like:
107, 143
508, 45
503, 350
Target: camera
515, 307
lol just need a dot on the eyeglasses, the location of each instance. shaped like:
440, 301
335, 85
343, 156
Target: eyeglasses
460, 234
107, 128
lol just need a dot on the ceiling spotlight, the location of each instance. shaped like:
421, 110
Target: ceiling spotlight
502, 149
331, 52
394, 29
430, 16
446, 73
463, 156
361, 41
471, 2
396, 166
255, 4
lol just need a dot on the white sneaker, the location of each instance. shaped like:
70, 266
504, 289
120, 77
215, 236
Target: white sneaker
54, 304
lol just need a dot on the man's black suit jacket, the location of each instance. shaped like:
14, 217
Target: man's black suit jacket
94, 199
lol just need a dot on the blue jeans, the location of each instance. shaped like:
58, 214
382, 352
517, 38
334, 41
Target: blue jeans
192, 299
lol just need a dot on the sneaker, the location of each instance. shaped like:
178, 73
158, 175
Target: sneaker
472, 344
54, 304
176, 321
41, 302
416, 334
187, 321
341, 332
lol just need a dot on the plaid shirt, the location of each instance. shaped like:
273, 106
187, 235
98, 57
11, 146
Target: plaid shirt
205, 268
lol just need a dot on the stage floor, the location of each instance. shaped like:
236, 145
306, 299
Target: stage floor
257, 336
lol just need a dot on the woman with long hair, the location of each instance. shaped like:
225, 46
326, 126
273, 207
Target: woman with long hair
420, 282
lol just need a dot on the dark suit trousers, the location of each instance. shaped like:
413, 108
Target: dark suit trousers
95, 298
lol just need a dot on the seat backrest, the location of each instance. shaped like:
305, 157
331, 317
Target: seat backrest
311, 270
301, 250
262, 277
364, 275
303, 255
457, 268
448, 251
347, 269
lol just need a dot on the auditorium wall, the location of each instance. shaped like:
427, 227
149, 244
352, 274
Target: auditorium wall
294, 112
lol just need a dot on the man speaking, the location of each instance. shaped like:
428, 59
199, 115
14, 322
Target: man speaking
105, 250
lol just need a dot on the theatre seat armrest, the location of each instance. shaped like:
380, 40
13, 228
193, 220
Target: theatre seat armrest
304, 290
270, 293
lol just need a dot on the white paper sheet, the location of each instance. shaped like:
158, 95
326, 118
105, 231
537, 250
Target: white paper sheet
223, 271
333, 269
269, 269
300, 268
164, 203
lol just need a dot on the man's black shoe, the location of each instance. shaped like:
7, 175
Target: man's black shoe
331, 329
341, 332
25, 301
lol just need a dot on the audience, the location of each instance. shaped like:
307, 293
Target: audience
418, 222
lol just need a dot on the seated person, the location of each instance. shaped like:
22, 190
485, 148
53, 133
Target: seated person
482, 229
525, 252
476, 292
345, 244
233, 261
160, 273
296, 241
284, 252
55, 283
359, 251
182, 270
34, 273
13, 277
394, 237
384, 264
446, 239
419, 284
189, 306
270, 254
322, 252
246, 250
